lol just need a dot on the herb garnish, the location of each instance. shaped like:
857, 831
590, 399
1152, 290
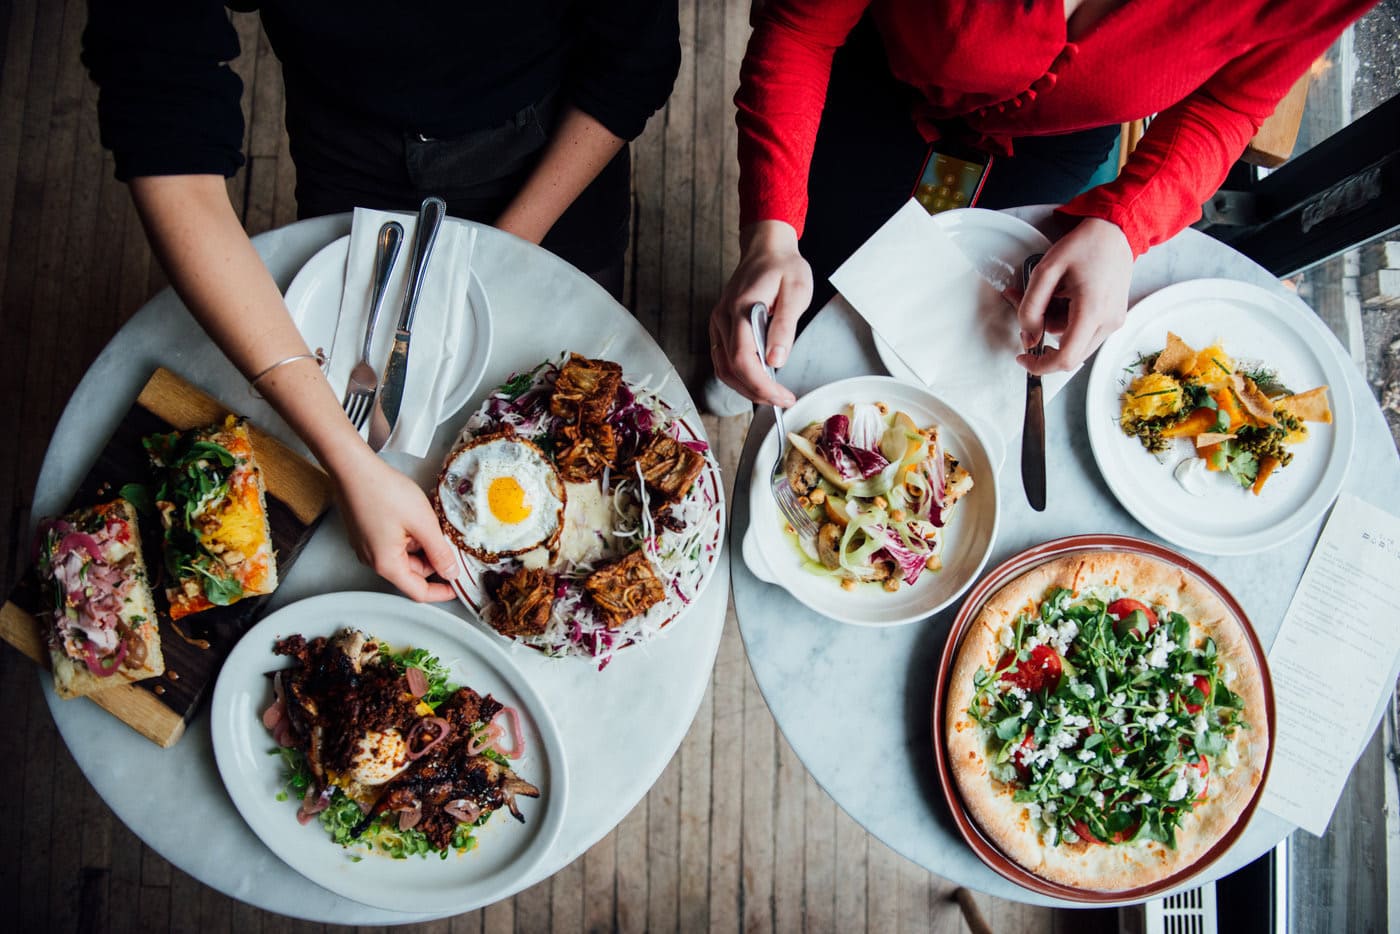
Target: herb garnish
1114, 747
196, 473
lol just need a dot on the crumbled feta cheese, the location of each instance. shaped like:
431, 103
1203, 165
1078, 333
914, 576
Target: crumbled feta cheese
1026, 707
1118, 716
1058, 708
1162, 647
1076, 721
1006, 637
1051, 807
1031, 642
1033, 810
1161, 699
1097, 798
1198, 723
1118, 761
1045, 633
1178, 787
1196, 782
1186, 679
1051, 833
1089, 692
1069, 836
1066, 780
1118, 699
1143, 798
1086, 755
1015, 690
1157, 721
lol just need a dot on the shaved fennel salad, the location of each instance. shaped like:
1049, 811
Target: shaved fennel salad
881, 489
681, 541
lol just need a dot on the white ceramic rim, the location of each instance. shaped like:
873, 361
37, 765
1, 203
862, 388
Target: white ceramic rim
1108, 443
823, 594
507, 851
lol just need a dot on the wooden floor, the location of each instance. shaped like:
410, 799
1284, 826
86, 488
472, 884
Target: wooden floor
734, 836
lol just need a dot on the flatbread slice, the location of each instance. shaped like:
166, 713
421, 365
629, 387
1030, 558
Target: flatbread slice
103, 629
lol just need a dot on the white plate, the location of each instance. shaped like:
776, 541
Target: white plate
314, 298
1252, 324
507, 850
995, 243
773, 557
470, 587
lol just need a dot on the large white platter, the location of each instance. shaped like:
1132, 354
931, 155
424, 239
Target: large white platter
1253, 324
507, 851
314, 297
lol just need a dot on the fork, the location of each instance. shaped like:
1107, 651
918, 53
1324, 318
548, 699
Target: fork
359, 392
804, 525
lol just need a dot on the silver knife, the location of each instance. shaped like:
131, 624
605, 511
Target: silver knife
389, 399
1033, 429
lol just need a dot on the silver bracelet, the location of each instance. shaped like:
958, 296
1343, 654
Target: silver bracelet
319, 356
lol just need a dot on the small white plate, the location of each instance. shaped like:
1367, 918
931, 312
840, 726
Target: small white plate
995, 243
772, 556
314, 299
506, 852
1252, 324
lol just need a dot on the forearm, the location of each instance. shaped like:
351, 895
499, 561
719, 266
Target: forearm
216, 271
579, 149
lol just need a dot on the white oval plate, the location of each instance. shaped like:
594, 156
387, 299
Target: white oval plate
1252, 323
995, 243
506, 852
773, 557
314, 299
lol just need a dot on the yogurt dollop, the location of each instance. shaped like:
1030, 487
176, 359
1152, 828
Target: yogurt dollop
1193, 476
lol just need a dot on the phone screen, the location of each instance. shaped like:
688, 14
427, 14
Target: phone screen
949, 182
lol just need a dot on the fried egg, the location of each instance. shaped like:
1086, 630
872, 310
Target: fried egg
499, 495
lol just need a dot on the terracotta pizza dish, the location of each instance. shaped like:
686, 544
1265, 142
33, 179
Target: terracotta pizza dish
1102, 720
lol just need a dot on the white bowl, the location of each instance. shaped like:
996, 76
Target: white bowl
772, 556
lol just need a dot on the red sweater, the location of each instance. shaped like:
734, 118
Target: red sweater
1212, 71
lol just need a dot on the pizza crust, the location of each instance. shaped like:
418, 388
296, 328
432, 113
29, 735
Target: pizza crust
989, 802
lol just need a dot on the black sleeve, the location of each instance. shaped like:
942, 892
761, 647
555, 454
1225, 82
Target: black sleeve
626, 58
168, 104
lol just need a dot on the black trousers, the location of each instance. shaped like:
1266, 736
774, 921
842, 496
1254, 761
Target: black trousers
344, 160
868, 156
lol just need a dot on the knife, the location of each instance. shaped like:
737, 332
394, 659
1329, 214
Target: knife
389, 399
1033, 428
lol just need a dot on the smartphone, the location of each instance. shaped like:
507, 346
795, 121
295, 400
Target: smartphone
951, 177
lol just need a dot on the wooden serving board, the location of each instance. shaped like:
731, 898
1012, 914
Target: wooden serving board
298, 494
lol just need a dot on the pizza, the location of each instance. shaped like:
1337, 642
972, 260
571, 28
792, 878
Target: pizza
104, 630
213, 507
1106, 720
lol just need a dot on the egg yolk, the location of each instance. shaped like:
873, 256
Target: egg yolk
506, 500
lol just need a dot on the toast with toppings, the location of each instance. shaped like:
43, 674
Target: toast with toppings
104, 629
213, 506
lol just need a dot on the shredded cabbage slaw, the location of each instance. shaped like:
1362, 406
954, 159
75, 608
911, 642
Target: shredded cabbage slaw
682, 559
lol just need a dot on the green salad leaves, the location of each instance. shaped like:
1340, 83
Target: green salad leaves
1118, 742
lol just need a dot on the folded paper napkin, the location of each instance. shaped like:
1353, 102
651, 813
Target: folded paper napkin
915, 287
439, 324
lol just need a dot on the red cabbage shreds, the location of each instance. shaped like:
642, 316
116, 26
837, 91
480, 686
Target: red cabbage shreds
853, 463
699, 447
911, 563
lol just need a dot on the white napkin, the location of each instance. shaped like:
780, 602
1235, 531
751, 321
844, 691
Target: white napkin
437, 324
915, 287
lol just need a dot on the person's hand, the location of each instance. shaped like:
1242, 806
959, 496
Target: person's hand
772, 271
394, 530
1090, 268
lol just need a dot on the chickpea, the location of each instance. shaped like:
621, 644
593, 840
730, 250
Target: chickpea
891, 584
818, 496
934, 563
804, 501
880, 502
789, 529
848, 584
882, 408
897, 515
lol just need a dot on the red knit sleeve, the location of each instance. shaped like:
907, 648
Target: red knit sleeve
1188, 149
782, 88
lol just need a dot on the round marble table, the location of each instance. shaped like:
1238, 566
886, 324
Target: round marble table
874, 757
638, 709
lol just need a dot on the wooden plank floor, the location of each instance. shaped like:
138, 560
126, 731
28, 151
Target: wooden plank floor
734, 836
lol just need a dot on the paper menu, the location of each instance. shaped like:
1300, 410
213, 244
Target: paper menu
1334, 658
945, 320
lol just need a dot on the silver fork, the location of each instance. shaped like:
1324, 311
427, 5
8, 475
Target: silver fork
359, 392
804, 525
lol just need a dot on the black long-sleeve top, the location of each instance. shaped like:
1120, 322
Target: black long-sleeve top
168, 103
